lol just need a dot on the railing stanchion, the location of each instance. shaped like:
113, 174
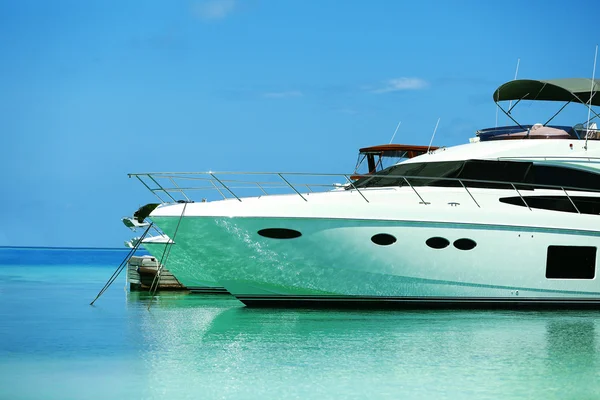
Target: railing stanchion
292, 186
463, 185
352, 184
148, 187
217, 189
180, 190
261, 188
571, 200
414, 190
519, 193
225, 186
162, 188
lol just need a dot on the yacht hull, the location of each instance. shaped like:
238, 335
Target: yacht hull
335, 262
182, 266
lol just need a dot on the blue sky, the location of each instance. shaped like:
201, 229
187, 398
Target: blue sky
92, 90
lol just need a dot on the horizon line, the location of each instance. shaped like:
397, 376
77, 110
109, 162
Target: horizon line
64, 248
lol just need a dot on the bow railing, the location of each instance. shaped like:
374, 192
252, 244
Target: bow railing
172, 187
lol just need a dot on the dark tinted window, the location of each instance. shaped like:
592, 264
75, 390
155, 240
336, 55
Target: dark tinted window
504, 171
571, 262
585, 205
435, 170
523, 173
568, 177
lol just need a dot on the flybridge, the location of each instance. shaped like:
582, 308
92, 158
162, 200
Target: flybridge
573, 90
537, 131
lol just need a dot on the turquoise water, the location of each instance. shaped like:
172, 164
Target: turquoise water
54, 345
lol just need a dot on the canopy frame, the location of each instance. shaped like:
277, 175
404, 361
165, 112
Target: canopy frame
568, 90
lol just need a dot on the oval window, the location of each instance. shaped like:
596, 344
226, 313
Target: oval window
465, 244
437, 242
383, 239
279, 233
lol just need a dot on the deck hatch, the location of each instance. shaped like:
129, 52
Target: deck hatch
571, 262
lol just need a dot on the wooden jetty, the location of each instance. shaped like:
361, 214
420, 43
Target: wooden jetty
142, 270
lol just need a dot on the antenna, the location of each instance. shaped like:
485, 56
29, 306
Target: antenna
510, 102
587, 133
496, 117
394, 135
432, 136
516, 73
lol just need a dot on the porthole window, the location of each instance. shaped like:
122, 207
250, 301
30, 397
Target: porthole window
279, 233
437, 242
383, 239
465, 244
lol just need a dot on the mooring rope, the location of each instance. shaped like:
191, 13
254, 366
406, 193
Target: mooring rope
165, 257
122, 265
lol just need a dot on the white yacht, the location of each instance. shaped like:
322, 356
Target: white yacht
510, 219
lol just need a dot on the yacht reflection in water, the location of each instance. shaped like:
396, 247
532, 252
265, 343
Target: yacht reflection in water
572, 346
221, 349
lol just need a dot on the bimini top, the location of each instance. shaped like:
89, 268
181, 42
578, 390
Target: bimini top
397, 150
381, 156
575, 90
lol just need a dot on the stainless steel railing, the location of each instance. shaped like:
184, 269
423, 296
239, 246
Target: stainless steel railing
238, 185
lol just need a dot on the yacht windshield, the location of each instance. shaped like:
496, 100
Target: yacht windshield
480, 173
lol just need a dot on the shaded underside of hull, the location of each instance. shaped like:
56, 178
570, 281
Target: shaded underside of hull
368, 302
208, 290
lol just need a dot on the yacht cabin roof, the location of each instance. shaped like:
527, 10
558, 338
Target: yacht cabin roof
526, 150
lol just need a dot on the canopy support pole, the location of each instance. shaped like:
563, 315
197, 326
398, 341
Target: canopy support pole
518, 101
588, 105
510, 116
558, 112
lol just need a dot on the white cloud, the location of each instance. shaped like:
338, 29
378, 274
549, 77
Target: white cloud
214, 9
398, 84
283, 95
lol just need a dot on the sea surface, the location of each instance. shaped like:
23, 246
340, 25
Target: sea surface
54, 345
